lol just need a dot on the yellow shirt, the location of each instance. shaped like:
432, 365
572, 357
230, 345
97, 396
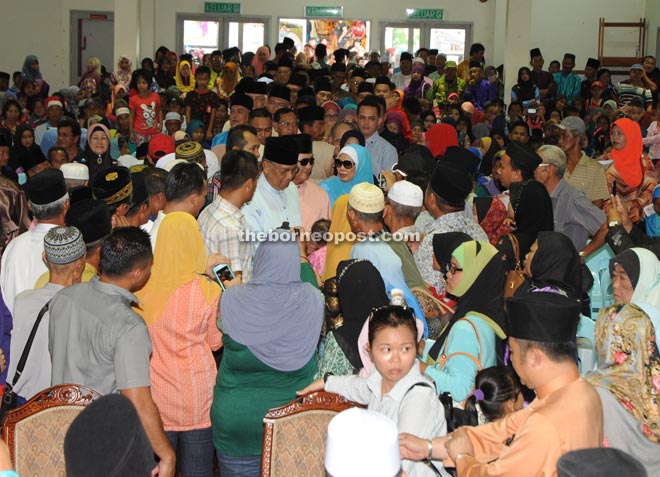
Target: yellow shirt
569, 419
87, 275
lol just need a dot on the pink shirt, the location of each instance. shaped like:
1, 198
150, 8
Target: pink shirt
314, 202
653, 139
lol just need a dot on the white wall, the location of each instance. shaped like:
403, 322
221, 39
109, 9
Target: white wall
557, 26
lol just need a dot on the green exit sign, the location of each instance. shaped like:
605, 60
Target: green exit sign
324, 12
223, 8
424, 14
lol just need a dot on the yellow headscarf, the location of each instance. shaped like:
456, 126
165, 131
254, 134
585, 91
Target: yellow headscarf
183, 87
337, 252
179, 258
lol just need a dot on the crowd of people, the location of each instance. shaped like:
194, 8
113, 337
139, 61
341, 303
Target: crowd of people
211, 240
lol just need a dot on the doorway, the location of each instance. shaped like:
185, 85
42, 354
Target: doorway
92, 34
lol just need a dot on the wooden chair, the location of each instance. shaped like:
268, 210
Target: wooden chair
34, 432
295, 435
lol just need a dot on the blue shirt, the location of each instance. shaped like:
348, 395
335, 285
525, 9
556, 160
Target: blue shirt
383, 154
219, 139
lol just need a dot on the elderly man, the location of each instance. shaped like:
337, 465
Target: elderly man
276, 199
314, 201
54, 112
566, 414
22, 262
402, 206
582, 172
574, 215
445, 201
64, 254
447, 84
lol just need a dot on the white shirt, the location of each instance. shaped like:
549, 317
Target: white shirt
270, 207
22, 263
154, 229
37, 372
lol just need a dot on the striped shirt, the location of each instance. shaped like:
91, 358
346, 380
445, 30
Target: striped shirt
626, 92
589, 177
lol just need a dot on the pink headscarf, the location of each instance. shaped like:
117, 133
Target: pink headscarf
259, 64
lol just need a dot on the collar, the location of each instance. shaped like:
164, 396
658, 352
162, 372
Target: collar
371, 139
263, 182
228, 207
414, 376
558, 189
41, 227
109, 289
53, 286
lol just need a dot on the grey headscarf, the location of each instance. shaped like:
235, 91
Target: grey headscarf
275, 314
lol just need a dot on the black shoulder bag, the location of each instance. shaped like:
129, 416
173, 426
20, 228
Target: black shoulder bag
10, 398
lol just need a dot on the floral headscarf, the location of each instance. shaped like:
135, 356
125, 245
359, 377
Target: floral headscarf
629, 364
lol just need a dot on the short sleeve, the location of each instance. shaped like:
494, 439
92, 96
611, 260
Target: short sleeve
131, 359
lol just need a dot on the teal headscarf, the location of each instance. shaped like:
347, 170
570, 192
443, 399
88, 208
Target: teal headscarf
653, 222
335, 187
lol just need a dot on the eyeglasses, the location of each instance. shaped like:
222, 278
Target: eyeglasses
356, 82
286, 172
345, 164
288, 124
453, 269
307, 160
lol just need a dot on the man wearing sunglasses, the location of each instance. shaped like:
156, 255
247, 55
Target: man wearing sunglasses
310, 121
276, 199
314, 201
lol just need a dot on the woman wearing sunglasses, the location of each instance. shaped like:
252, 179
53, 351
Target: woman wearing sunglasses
353, 165
475, 276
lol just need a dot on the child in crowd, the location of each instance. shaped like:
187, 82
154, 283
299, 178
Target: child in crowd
653, 222
395, 387
317, 246
146, 113
497, 393
201, 104
652, 138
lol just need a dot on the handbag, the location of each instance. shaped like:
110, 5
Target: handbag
455, 416
515, 277
10, 398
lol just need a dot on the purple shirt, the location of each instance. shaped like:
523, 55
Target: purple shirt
480, 93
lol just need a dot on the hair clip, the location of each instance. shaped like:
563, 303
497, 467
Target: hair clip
478, 395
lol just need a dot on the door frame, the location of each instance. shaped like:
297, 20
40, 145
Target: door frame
425, 27
223, 31
75, 38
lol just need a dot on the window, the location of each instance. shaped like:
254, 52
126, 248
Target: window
337, 33
448, 38
202, 34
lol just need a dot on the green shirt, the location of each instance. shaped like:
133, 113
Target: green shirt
244, 391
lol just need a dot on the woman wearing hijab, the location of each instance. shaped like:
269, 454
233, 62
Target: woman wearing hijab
440, 137
632, 171
184, 79
418, 86
271, 327
338, 250
226, 83
179, 305
260, 58
360, 288
97, 153
468, 342
163, 74
531, 208
122, 75
525, 91
30, 69
25, 151
491, 215
90, 81
627, 376
353, 165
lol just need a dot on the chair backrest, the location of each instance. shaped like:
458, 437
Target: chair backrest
34, 432
295, 435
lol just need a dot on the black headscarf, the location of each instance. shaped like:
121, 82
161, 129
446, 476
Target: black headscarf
485, 296
26, 157
629, 261
486, 167
482, 204
525, 90
360, 288
444, 245
556, 263
97, 162
533, 212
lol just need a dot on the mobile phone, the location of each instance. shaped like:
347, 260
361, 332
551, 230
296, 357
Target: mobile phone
531, 110
382, 181
614, 188
222, 273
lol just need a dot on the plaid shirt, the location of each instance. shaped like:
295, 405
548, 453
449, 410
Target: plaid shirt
223, 226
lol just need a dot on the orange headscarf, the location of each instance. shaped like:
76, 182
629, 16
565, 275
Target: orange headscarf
439, 137
628, 161
179, 258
